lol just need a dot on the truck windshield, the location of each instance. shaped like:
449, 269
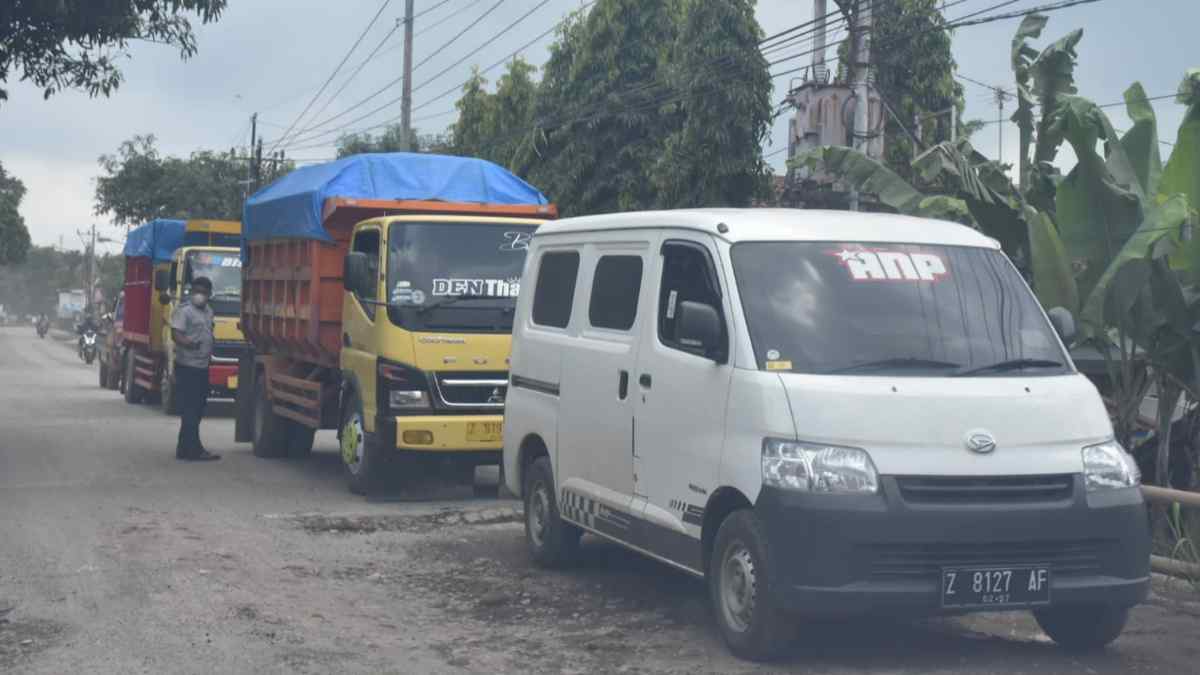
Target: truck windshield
894, 309
455, 276
224, 269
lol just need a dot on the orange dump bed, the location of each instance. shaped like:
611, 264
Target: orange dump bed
292, 288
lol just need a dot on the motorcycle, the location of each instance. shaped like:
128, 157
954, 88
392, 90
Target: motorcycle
87, 346
43, 327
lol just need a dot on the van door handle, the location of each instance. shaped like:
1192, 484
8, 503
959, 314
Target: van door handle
645, 380
623, 385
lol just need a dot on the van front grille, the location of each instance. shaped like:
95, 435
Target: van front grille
907, 561
985, 489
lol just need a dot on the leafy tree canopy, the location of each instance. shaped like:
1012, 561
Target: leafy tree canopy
14, 236
76, 44
391, 139
139, 184
498, 127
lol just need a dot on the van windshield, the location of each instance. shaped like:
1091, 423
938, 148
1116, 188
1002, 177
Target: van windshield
894, 309
451, 276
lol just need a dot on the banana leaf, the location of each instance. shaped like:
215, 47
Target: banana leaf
1182, 173
1022, 58
1053, 77
1140, 143
1053, 281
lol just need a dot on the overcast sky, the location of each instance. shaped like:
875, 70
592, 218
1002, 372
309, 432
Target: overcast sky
271, 56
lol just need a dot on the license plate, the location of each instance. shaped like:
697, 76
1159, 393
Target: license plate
231, 382
484, 432
995, 586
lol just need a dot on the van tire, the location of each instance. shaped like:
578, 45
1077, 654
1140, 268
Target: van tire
740, 588
553, 542
300, 440
1082, 629
270, 431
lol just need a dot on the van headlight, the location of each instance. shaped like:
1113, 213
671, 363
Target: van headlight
1107, 465
817, 467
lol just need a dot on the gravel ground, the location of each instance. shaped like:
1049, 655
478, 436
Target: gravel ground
114, 558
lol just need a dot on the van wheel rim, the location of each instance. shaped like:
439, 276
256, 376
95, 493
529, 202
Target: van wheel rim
539, 515
738, 587
352, 442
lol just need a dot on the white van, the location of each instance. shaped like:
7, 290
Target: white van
821, 413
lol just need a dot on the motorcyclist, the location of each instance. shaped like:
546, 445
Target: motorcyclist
86, 324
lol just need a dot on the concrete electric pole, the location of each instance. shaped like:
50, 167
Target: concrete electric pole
406, 93
862, 84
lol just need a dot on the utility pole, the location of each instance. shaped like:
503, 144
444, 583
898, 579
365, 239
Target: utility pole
406, 92
1001, 96
862, 88
255, 146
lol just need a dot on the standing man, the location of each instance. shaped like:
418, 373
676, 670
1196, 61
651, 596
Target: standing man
192, 332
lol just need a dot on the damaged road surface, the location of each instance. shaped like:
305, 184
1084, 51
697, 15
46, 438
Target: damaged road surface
115, 558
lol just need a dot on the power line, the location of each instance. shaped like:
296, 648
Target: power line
332, 75
424, 12
301, 138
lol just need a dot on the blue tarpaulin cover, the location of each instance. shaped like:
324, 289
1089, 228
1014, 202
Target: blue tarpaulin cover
157, 239
291, 207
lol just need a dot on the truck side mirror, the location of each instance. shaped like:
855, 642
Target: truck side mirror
699, 328
162, 280
356, 273
1063, 322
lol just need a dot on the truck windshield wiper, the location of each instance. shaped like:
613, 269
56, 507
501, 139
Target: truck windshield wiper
448, 300
895, 362
1012, 364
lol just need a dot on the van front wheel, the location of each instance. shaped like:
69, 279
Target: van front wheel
1082, 628
739, 583
552, 541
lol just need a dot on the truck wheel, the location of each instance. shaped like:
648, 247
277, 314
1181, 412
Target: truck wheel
167, 396
300, 440
552, 541
133, 393
1082, 628
739, 584
369, 468
270, 432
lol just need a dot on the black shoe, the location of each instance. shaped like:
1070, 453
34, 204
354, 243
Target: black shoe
203, 456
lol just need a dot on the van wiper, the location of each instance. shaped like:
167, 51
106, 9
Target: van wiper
1012, 364
447, 300
895, 362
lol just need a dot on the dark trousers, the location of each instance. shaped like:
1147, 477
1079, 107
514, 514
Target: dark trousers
191, 394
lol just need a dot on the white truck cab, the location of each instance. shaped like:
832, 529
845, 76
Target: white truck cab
821, 413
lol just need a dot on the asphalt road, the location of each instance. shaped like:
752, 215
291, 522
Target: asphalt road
115, 558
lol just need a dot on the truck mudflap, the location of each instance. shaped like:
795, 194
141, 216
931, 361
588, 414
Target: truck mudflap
445, 433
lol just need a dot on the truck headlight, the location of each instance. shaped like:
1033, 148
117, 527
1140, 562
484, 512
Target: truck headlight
401, 387
1107, 465
405, 398
817, 467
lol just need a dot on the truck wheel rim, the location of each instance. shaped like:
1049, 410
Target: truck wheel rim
738, 587
352, 442
539, 514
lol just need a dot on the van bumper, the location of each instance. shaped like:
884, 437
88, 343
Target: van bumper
845, 555
445, 433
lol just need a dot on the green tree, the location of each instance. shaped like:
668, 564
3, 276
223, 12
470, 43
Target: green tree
472, 131
76, 44
604, 106
391, 139
14, 236
139, 184
714, 158
511, 117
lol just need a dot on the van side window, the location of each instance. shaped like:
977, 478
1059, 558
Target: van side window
367, 241
555, 291
688, 274
615, 290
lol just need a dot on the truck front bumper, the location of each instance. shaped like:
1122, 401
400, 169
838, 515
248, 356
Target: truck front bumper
444, 433
840, 554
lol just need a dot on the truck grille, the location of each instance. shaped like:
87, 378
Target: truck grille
985, 489
908, 561
225, 349
471, 390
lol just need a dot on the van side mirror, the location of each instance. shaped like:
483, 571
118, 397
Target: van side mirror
698, 326
162, 280
356, 273
1063, 322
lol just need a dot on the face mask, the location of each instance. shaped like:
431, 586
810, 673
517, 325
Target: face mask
199, 299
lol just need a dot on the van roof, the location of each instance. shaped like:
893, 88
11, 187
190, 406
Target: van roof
784, 225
